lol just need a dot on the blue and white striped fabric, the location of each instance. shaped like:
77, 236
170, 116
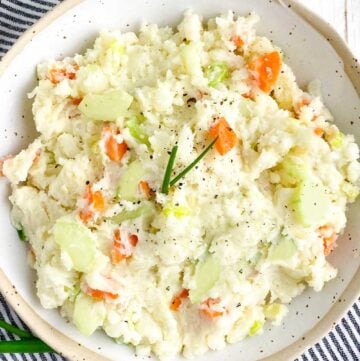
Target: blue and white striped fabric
341, 344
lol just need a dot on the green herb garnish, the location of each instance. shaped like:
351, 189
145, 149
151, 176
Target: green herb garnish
27, 344
167, 182
169, 168
32, 345
193, 164
21, 233
16, 331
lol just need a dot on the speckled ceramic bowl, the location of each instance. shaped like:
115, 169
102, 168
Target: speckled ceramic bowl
313, 50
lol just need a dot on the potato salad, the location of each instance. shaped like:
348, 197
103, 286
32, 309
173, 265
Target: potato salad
182, 189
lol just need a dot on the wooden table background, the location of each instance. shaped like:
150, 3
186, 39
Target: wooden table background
343, 15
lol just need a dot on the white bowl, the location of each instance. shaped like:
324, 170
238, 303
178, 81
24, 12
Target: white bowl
70, 28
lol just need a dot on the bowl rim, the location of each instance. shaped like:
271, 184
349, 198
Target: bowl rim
75, 351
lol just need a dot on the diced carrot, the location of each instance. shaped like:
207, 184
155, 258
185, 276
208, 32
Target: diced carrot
101, 295
319, 131
76, 101
329, 237
120, 250
236, 39
2, 161
265, 70
248, 95
86, 215
227, 137
98, 201
145, 189
56, 75
177, 300
114, 150
207, 308
94, 202
71, 74
133, 239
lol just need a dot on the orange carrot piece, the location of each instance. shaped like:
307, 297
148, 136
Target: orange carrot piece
98, 201
177, 300
95, 200
236, 39
119, 251
133, 239
56, 75
76, 101
145, 189
265, 70
101, 295
86, 215
206, 308
227, 137
329, 237
114, 150
319, 131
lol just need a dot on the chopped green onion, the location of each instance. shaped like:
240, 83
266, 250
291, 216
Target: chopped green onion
21, 233
32, 345
193, 164
216, 73
16, 331
169, 168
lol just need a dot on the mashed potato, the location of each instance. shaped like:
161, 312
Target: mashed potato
225, 249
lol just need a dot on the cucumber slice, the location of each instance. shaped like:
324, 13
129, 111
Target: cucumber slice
88, 314
292, 170
255, 328
207, 274
177, 211
190, 57
274, 311
216, 73
245, 107
137, 131
77, 241
283, 251
311, 203
335, 140
144, 210
128, 187
107, 106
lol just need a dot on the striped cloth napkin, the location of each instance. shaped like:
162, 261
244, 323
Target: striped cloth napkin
341, 344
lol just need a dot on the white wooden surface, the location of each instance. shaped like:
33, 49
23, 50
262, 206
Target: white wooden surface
343, 15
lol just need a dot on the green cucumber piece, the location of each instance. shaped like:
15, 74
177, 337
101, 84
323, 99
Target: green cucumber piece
274, 310
143, 210
190, 58
216, 73
283, 251
311, 203
77, 241
255, 328
246, 106
128, 187
107, 106
137, 131
207, 273
292, 170
177, 211
88, 314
